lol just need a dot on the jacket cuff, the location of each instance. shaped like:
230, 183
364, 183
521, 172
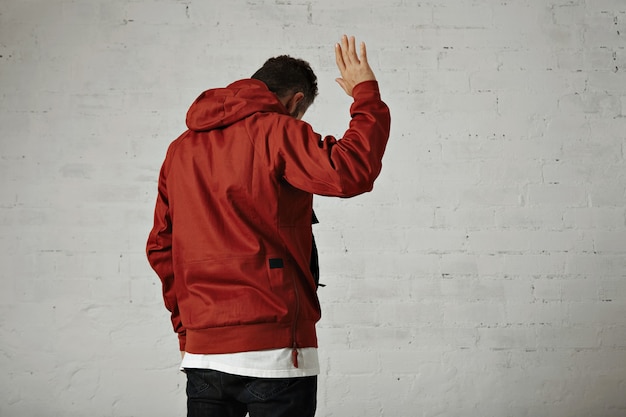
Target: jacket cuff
364, 87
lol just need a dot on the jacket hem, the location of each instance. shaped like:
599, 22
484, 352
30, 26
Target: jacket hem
250, 337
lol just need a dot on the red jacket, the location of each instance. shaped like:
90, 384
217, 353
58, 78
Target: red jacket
231, 240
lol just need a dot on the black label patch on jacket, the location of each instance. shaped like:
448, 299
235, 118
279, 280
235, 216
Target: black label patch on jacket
276, 263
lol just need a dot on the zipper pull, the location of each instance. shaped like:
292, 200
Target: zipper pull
294, 357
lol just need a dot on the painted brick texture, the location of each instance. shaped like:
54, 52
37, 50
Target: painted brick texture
485, 275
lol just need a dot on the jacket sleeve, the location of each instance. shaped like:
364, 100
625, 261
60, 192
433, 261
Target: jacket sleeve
159, 252
339, 167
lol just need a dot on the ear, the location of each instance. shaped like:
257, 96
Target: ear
293, 101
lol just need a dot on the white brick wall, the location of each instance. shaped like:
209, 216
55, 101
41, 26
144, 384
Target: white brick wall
484, 276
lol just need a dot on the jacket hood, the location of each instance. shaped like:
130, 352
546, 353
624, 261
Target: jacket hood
221, 107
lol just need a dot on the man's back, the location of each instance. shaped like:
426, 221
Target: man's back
242, 232
232, 241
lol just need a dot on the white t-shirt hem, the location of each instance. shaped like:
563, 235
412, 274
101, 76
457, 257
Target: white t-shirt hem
274, 363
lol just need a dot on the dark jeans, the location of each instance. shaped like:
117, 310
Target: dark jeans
218, 394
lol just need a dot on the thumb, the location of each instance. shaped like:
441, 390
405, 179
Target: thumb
343, 85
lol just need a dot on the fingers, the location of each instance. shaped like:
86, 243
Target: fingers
347, 51
345, 47
363, 53
339, 58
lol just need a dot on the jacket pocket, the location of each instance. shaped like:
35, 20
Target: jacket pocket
228, 292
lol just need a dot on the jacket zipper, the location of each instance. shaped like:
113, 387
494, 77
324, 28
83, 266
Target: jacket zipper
294, 351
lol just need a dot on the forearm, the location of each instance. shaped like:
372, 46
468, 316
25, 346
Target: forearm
357, 156
160, 257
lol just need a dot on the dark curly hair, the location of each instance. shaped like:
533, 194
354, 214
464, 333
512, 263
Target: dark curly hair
286, 75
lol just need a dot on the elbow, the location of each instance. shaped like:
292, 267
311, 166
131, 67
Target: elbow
359, 182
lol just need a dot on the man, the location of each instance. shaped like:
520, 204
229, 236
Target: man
232, 241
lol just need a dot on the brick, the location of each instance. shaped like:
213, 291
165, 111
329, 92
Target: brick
570, 337
474, 16
529, 218
507, 337
432, 84
544, 263
434, 241
495, 196
579, 150
419, 312
453, 59
607, 81
354, 314
353, 362
547, 310
609, 241
592, 264
608, 195
478, 313
533, 81
530, 241
535, 59
608, 218
462, 217
568, 196
599, 103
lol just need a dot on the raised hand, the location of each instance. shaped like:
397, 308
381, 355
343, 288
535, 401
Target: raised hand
353, 69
